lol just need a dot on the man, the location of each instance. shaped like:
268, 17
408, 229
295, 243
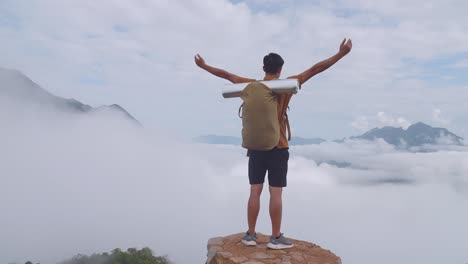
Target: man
274, 161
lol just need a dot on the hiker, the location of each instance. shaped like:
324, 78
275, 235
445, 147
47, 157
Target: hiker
275, 161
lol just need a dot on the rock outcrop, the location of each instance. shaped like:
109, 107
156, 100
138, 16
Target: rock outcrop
229, 250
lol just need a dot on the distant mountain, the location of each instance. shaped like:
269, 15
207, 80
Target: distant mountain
17, 87
416, 135
229, 140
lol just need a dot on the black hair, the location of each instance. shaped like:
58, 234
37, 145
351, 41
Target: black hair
272, 63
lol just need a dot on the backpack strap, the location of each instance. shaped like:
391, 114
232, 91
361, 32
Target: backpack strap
240, 108
286, 119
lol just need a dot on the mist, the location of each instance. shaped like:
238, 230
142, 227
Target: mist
91, 183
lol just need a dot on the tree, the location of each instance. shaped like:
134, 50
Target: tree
117, 256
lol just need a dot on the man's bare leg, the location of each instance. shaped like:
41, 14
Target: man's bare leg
276, 208
253, 206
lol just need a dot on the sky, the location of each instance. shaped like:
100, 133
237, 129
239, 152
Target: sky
408, 61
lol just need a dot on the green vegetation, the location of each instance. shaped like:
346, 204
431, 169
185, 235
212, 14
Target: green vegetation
117, 256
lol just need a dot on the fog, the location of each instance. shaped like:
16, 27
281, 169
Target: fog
91, 183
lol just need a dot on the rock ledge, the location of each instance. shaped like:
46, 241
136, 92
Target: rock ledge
229, 250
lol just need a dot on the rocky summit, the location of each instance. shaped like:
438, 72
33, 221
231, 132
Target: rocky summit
229, 250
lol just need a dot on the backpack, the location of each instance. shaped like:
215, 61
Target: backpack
260, 124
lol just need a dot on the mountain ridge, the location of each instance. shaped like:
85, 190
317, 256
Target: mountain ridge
16, 85
416, 135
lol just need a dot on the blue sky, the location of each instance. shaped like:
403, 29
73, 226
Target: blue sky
408, 62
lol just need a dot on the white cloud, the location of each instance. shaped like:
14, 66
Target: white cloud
461, 64
387, 120
361, 123
438, 117
381, 119
86, 184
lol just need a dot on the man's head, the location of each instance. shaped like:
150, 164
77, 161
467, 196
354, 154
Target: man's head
272, 64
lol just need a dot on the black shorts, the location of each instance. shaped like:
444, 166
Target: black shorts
274, 161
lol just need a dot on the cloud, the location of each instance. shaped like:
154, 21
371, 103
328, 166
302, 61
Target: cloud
461, 64
84, 184
379, 163
386, 120
361, 123
364, 123
67, 177
439, 118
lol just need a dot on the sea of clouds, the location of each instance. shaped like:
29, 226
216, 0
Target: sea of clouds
91, 183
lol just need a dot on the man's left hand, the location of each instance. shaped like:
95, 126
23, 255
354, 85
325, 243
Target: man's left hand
346, 47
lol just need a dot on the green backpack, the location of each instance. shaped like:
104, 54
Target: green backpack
260, 124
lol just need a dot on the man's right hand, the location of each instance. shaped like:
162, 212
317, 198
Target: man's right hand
220, 72
200, 61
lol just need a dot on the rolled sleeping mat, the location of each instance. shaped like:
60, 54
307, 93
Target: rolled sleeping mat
278, 86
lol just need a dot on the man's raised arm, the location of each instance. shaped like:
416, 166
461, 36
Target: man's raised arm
345, 48
220, 72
